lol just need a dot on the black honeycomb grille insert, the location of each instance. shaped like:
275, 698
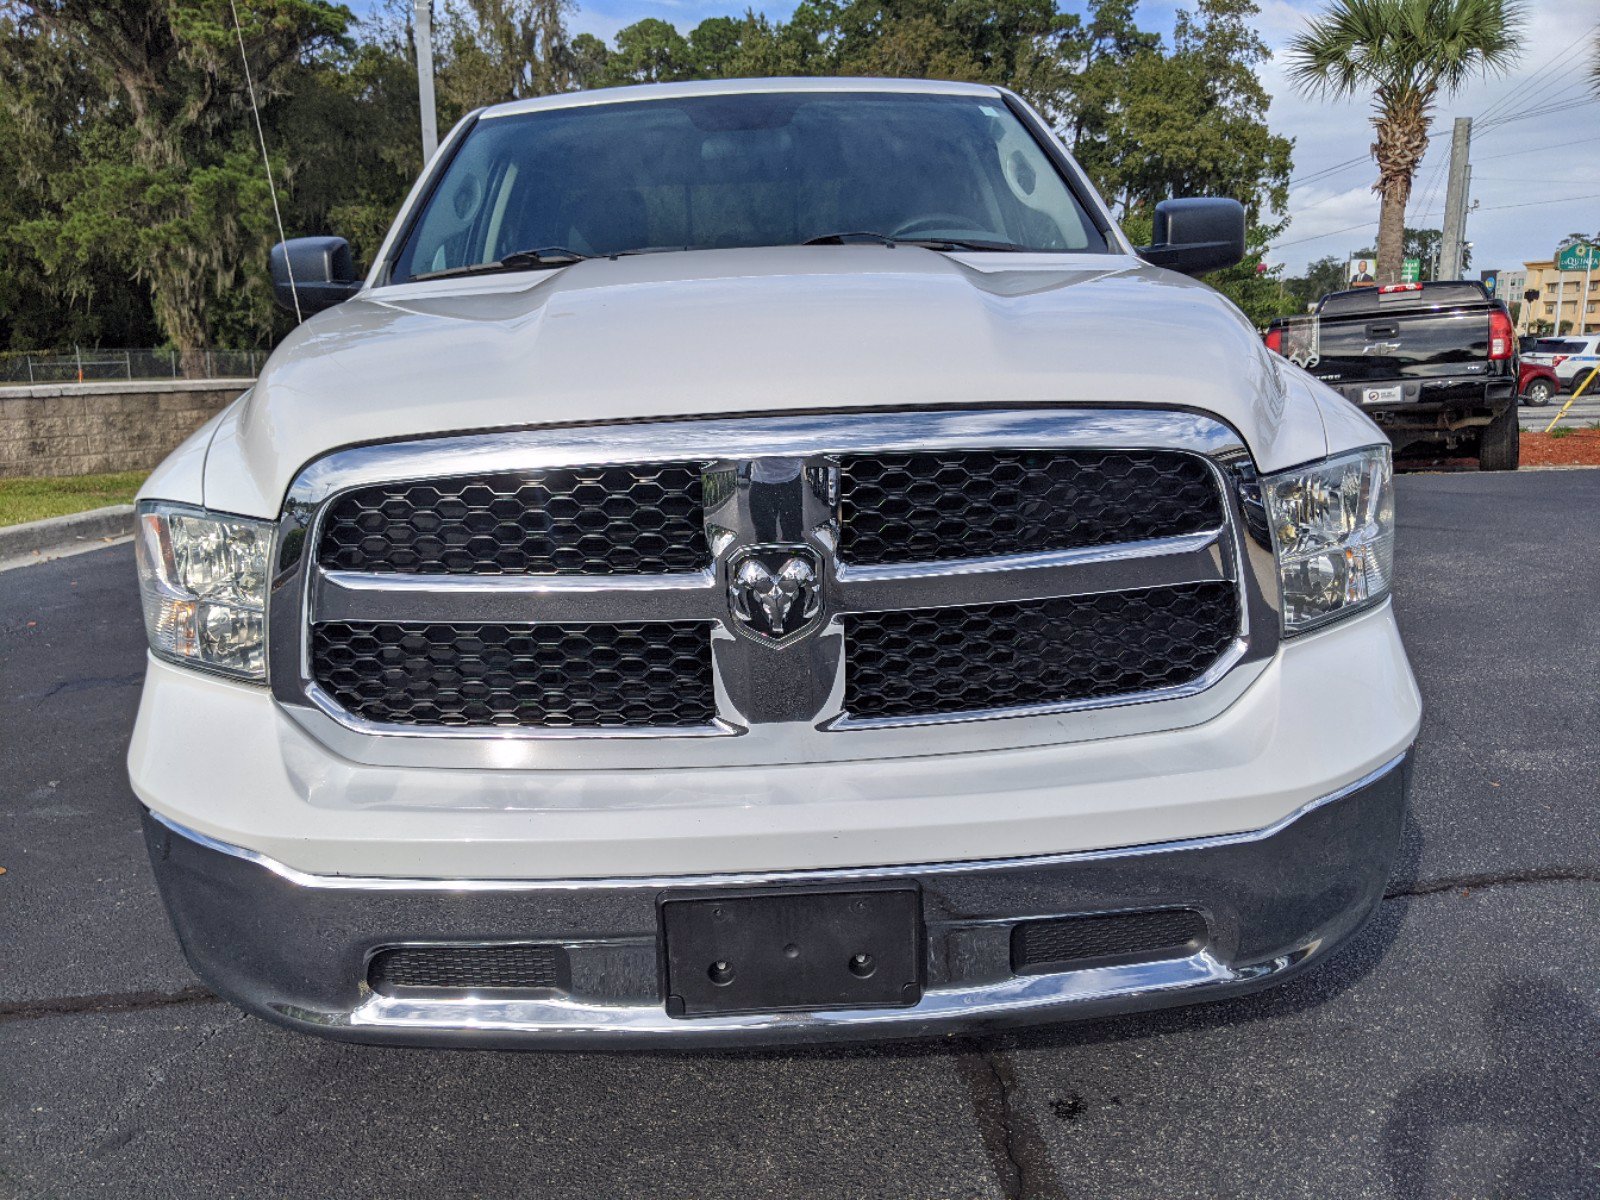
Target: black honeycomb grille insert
457, 968
972, 503
650, 674
995, 656
1066, 943
628, 520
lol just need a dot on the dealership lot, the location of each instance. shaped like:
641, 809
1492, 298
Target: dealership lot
1584, 411
1454, 1050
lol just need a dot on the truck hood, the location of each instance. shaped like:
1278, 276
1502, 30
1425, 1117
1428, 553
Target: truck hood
726, 332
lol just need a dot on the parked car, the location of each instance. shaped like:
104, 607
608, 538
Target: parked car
730, 572
1434, 364
1572, 357
1536, 384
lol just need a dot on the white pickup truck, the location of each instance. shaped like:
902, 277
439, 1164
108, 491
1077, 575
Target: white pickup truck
767, 561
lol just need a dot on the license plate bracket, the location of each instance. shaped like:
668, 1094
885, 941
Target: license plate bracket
791, 950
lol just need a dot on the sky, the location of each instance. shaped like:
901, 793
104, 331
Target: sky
1535, 178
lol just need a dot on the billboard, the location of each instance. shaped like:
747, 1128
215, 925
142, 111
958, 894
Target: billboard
1361, 272
1581, 257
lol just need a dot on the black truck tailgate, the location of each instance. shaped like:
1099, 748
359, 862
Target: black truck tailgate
1373, 336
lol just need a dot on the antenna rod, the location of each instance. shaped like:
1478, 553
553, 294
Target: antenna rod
266, 162
422, 31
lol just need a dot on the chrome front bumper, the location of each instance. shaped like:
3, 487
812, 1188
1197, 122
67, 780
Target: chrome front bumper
295, 948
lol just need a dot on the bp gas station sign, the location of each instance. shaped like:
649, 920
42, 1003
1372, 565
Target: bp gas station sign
1580, 257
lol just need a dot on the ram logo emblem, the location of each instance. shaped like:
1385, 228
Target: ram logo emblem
775, 592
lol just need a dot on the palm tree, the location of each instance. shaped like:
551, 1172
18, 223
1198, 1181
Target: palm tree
1405, 53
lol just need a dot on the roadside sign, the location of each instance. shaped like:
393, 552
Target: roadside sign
1410, 270
1580, 257
1359, 273
1491, 282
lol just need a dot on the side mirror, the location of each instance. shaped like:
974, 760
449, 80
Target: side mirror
1197, 235
318, 269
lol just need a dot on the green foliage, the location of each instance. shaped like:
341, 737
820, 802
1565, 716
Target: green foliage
1321, 277
1191, 121
1146, 121
134, 208
166, 183
1395, 48
497, 50
34, 499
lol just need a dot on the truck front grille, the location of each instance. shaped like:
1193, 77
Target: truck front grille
443, 968
899, 508
1100, 939
787, 581
1013, 655
627, 520
550, 676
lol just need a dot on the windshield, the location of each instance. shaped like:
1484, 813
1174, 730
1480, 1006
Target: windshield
744, 170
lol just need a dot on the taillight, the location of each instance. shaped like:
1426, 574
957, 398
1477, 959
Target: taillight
1275, 340
1502, 338
1399, 287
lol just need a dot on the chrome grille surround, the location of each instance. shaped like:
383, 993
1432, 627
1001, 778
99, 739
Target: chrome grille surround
778, 698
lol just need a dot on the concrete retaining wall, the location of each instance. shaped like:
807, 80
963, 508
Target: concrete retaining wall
90, 428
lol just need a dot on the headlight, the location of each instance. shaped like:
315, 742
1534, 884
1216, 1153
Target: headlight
203, 579
1333, 533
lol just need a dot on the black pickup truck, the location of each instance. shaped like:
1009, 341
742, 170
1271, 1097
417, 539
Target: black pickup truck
1433, 363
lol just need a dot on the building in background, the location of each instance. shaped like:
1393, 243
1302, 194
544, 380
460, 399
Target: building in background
1505, 286
1578, 292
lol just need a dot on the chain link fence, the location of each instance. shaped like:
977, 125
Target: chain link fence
84, 366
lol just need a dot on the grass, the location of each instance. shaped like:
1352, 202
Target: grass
1561, 431
33, 499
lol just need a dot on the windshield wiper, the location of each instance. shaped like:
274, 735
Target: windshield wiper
848, 236
518, 260
927, 243
939, 243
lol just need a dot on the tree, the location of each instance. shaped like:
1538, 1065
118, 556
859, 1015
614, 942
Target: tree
1405, 53
172, 183
1321, 277
49, 106
1193, 122
498, 50
651, 51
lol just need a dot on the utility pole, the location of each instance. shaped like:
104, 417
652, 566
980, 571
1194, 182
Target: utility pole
1455, 200
422, 30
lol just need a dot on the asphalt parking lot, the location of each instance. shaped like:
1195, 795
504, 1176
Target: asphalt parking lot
1452, 1051
1584, 411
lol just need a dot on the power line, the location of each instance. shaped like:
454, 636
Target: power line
1541, 149
1319, 236
1538, 203
1519, 89
1333, 170
1370, 224
1425, 195
1543, 112
1517, 179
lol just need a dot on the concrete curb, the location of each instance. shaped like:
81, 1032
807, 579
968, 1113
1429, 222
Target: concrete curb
63, 535
118, 387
